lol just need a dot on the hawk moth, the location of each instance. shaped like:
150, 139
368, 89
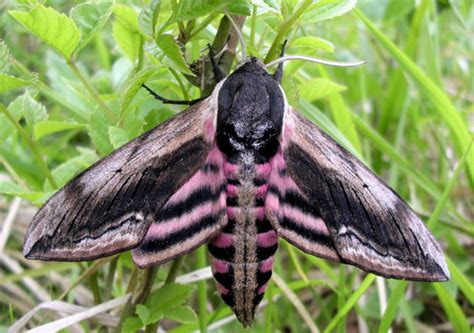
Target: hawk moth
236, 170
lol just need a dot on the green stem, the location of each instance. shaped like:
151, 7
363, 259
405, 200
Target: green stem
181, 84
202, 26
109, 280
13, 173
285, 28
90, 89
31, 144
129, 307
94, 284
202, 292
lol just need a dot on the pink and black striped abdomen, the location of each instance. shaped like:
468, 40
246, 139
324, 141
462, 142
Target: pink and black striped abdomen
242, 255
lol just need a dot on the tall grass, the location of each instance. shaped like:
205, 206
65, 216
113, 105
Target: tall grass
70, 94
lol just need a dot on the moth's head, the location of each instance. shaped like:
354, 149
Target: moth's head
250, 111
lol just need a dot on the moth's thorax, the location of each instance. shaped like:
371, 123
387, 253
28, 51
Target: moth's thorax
250, 113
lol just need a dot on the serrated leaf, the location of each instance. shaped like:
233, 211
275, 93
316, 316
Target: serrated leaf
55, 29
8, 82
132, 324
170, 296
99, 134
90, 18
118, 136
319, 88
149, 16
188, 10
182, 314
240, 7
311, 42
5, 59
66, 171
133, 86
7, 127
47, 127
33, 111
126, 31
327, 9
173, 53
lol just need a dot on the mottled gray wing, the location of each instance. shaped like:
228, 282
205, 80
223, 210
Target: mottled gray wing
370, 225
109, 207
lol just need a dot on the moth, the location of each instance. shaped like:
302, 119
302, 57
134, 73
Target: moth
237, 170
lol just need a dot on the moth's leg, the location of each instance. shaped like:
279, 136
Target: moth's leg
218, 73
279, 72
171, 101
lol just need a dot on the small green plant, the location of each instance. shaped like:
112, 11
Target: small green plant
70, 93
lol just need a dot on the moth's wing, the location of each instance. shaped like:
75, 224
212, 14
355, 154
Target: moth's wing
190, 218
109, 207
370, 226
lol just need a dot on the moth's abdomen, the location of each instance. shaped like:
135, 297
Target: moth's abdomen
242, 255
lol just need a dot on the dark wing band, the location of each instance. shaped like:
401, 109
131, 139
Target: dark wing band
370, 225
109, 207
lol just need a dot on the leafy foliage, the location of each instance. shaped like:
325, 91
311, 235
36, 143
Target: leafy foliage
70, 93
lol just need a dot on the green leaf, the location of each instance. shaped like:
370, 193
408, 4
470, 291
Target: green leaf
99, 133
327, 9
133, 86
33, 112
8, 82
319, 88
90, 18
47, 127
170, 296
182, 314
5, 59
10, 188
240, 7
453, 310
132, 324
126, 31
143, 313
118, 136
66, 171
55, 29
149, 16
173, 53
311, 42
188, 10
392, 306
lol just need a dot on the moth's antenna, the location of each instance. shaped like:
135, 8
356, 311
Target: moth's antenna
316, 60
237, 31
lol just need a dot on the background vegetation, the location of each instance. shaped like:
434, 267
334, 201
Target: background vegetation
70, 76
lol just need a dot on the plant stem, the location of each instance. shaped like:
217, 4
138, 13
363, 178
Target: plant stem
202, 26
285, 28
31, 144
90, 89
202, 261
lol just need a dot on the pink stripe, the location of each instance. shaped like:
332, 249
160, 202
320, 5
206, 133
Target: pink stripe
231, 190
220, 266
223, 240
306, 220
272, 203
231, 213
267, 239
260, 211
209, 129
160, 230
262, 191
221, 289
263, 170
230, 170
266, 265
262, 289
